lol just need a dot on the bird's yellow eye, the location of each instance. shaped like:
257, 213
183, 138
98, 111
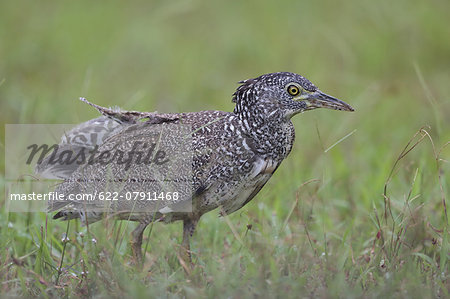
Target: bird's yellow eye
293, 90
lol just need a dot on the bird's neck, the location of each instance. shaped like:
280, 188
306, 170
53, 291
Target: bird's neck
269, 127
261, 114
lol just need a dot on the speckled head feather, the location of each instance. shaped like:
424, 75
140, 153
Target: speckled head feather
266, 80
269, 92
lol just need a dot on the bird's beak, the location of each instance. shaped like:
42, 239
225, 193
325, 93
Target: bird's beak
319, 99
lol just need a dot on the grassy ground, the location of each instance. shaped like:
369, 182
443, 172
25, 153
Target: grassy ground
363, 218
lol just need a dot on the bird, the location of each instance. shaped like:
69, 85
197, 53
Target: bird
230, 156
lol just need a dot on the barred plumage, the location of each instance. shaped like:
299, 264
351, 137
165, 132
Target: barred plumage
234, 154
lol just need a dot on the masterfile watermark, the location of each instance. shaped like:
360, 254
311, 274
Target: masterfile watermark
102, 196
140, 153
80, 167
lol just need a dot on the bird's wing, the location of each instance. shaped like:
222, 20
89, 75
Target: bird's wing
50, 168
79, 140
87, 135
134, 179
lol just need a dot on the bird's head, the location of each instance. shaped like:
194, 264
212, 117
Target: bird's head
288, 92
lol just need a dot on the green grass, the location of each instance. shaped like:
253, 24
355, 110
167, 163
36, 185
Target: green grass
357, 220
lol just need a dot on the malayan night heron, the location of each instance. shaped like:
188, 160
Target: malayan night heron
233, 155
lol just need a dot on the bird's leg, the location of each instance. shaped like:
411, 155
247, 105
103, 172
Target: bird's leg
136, 243
188, 230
